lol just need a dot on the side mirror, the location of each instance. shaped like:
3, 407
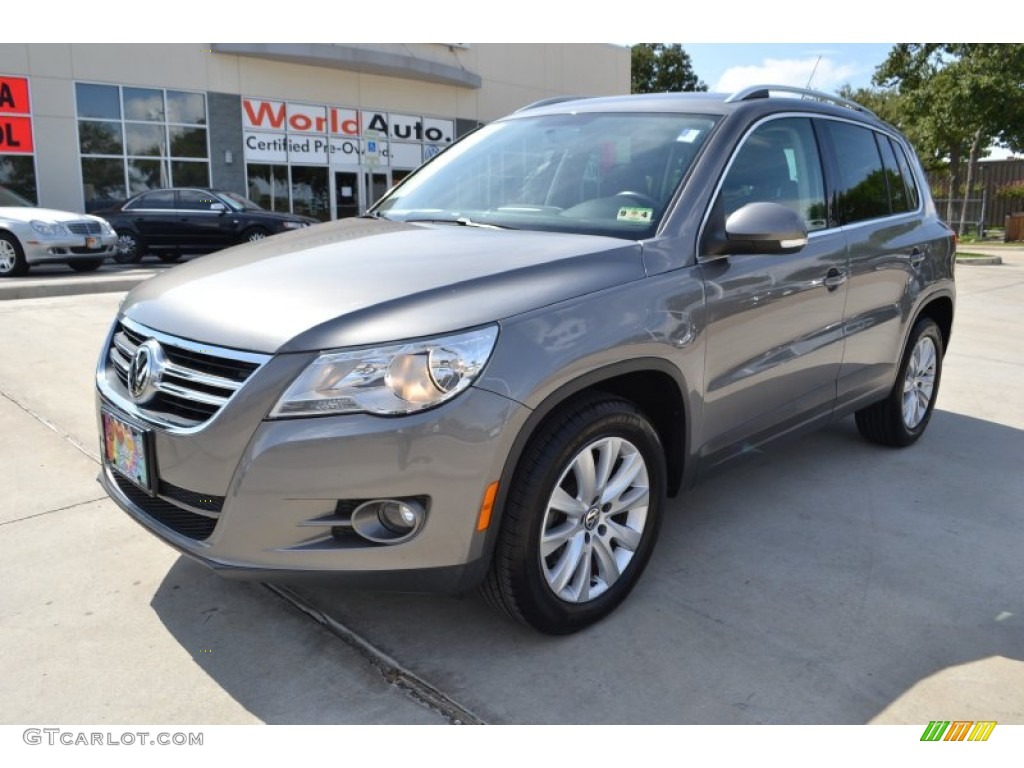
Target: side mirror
764, 228
219, 207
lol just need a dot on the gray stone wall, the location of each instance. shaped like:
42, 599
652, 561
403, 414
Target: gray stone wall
225, 115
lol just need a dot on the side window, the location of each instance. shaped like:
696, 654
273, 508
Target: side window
913, 197
778, 163
897, 189
195, 200
863, 192
157, 200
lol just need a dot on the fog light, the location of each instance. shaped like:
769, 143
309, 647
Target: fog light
388, 521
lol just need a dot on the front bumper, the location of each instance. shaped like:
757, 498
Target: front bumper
39, 250
276, 517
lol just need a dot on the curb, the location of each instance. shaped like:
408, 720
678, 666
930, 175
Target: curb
979, 260
61, 287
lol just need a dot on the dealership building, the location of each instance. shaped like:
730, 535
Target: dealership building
319, 129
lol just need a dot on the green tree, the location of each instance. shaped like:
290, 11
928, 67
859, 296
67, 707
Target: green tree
662, 68
955, 100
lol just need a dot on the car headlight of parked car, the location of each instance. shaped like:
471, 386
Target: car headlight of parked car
49, 228
294, 224
107, 229
389, 380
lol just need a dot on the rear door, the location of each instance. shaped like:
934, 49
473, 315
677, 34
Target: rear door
153, 215
774, 336
879, 206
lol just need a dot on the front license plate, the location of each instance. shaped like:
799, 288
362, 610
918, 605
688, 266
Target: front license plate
91, 242
126, 449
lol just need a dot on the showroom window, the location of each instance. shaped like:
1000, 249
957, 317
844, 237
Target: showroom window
133, 139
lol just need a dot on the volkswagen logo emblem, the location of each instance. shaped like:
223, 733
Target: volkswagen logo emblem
145, 370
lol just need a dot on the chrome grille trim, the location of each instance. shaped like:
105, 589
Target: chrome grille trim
187, 397
84, 227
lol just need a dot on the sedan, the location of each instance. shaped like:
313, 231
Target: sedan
170, 222
31, 235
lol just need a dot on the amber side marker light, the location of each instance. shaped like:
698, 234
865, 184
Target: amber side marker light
485, 508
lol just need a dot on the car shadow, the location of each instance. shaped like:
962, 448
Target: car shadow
815, 582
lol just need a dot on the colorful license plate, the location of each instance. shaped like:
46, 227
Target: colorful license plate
126, 449
92, 242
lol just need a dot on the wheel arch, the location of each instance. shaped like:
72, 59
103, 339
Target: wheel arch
940, 309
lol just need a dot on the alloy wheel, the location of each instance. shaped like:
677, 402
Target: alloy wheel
919, 382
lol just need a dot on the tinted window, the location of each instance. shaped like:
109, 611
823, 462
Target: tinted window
162, 198
908, 176
779, 163
863, 192
893, 177
185, 107
144, 104
196, 200
102, 101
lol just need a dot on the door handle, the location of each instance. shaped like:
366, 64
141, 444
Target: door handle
916, 257
834, 279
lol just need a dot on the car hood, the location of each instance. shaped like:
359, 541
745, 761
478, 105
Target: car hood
41, 214
364, 281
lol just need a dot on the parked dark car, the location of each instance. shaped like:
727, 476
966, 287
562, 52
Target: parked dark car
170, 222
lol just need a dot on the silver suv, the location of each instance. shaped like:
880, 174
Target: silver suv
498, 375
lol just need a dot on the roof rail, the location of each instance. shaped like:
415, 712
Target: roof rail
764, 92
551, 100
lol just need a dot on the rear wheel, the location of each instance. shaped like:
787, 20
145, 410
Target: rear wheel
85, 265
12, 256
581, 517
902, 417
130, 247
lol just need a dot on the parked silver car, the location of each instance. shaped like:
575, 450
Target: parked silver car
31, 235
498, 375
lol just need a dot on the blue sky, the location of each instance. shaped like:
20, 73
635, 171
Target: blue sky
730, 66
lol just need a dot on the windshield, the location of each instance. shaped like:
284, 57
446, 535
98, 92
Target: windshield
239, 203
606, 174
10, 199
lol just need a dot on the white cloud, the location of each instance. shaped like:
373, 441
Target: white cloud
828, 76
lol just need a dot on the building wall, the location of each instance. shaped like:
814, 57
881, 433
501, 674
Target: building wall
511, 76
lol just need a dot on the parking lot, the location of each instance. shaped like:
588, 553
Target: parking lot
823, 581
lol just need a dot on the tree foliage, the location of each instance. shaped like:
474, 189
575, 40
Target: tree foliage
662, 68
953, 100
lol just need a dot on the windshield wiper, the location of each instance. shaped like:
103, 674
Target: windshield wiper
462, 221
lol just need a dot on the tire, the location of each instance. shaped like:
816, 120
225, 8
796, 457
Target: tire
170, 257
12, 256
85, 265
902, 417
130, 247
255, 234
591, 555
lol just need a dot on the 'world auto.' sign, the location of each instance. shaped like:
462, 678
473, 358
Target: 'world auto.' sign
279, 132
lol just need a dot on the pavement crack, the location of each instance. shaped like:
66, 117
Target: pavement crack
53, 427
393, 672
51, 511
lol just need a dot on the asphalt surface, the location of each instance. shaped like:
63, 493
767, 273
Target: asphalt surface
821, 581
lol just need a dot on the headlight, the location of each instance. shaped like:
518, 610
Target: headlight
49, 228
294, 224
390, 380
107, 229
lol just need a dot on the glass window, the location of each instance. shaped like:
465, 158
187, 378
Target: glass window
144, 104
18, 174
100, 138
146, 140
161, 199
185, 107
102, 182
99, 101
147, 174
268, 186
310, 195
863, 193
908, 176
196, 200
187, 142
779, 163
897, 191
190, 174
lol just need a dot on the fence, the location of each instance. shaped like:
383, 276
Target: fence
992, 174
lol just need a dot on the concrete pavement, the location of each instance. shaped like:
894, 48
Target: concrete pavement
823, 581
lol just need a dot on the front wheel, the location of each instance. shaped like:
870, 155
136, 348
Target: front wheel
581, 516
12, 256
902, 417
255, 234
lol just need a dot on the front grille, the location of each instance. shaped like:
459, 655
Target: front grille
196, 380
179, 520
84, 227
204, 501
